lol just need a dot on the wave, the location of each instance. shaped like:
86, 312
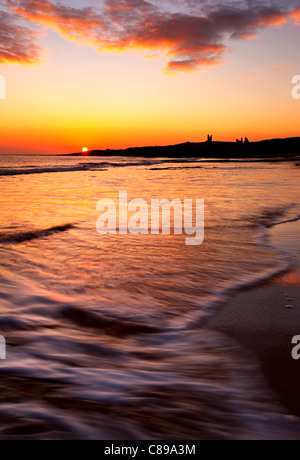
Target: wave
23, 237
285, 263
62, 382
293, 219
90, 166
22, 172
171, 168
111, 325
82, 362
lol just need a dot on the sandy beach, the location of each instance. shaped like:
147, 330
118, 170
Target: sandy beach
264, 320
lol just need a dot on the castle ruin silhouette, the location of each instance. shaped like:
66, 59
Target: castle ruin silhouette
238, 141
242, 141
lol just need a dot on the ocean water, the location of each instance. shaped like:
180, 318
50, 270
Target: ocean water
106, 335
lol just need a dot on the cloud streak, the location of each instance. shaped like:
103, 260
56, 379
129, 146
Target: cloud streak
192, 33
17, 42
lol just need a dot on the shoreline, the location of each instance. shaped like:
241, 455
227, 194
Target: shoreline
264, 319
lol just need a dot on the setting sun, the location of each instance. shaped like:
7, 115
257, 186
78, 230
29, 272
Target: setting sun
85, 150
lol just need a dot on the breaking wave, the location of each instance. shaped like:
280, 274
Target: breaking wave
22, 237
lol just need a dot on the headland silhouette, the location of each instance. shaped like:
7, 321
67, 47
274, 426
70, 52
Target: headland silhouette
286, 148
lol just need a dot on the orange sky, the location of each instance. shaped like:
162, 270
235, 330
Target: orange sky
69, 94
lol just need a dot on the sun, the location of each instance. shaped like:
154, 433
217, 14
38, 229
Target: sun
85, 150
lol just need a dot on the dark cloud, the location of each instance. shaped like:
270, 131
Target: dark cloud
192, 33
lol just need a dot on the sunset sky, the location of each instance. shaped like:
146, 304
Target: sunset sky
119, 73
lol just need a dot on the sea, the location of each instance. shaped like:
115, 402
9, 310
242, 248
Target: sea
106, 335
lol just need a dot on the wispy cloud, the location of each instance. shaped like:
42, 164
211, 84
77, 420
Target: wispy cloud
18, 43
192, 33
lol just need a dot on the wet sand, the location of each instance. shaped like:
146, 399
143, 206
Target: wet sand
264, 320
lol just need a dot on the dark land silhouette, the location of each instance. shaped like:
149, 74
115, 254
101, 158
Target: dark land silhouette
287, 148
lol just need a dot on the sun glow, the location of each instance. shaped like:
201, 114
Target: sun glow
85, 150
